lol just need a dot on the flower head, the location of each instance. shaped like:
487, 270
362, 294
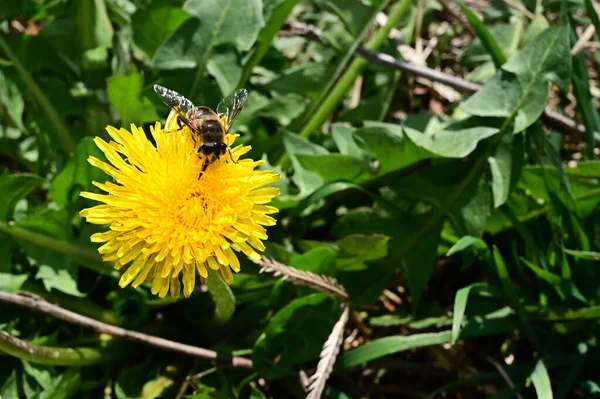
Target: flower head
165, 222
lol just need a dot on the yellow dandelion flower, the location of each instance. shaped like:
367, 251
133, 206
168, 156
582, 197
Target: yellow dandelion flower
165, 223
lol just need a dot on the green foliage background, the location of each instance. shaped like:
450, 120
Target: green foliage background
465, 227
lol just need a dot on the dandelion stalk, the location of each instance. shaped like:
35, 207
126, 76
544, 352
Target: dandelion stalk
50, 355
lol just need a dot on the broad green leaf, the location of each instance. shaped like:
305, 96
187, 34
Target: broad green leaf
283, 108
506, 165
13, 189
125, 94
294, 335
56, 270
12, 282
388, 144
506, 36
536, 26
307, 80
545, 59
152, 25
521, 89
541, 381
471, 209
306, 180
222, 296
356, 249
334, 167
343, 136
233, 22
225, 66
320, 260
78, 175
484, 35
456, 140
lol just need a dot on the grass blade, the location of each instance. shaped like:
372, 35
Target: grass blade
488, 41
40, 97
541, 381
513, 298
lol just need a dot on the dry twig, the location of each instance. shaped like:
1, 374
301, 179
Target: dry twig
31, 301
331, 348
328, 356
552, 119
325, 284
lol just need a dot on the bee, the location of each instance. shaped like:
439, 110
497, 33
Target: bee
208, 126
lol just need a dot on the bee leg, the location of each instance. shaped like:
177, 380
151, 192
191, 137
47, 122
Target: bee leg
225, 148
204, 166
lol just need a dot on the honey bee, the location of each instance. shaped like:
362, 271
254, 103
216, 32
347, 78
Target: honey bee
208, 126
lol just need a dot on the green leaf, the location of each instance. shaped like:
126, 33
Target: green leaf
460, 305
343, 136
512, 295
541, 381
456, 140
13, 189
464, 243
294, 335
125, 94
78, 175
387, 143
506, 165
233, 22
11, 98
521, 89
484, 35
222, 296
585, 102
153, 24
306, 180
593, 15
12, 282
320, 260
226, 69
333, 167
275, 13
588, 255
356, 249
389, 345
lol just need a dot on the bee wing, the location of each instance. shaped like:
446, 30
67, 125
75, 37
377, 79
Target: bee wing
176, 102
231, 106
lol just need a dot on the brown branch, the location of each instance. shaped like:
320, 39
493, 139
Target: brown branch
36, 303
553, 120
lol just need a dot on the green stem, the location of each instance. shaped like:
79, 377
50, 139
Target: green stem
88, 257
51, 355
266, 36
40, 96
346, 81
357, 66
